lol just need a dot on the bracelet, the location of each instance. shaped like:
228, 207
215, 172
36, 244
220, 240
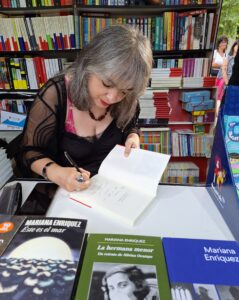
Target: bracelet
44, 174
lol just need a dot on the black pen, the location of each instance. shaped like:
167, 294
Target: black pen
73, 163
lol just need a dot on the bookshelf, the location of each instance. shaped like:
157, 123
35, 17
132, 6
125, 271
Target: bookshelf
178, 31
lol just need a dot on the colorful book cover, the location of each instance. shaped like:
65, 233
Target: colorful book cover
232, 134
42, 259
8, 227
123, 267
202, 269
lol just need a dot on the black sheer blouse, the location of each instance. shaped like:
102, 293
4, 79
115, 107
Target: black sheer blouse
44, 134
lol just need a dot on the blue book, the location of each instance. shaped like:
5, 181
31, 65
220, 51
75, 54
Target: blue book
202, 269
232, 134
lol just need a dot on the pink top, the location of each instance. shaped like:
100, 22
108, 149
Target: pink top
69, 122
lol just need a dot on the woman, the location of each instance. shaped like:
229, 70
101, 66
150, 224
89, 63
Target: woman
219, 55
89, 108
234, 79
225, 71
224, 75
127, 282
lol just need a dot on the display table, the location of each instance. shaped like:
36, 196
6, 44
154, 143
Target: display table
177, 211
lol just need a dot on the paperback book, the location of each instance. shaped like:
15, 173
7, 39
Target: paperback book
8, 227
202, 269
42, 259
124, 186
123, 267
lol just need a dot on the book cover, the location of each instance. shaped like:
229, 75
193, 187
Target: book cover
231, 134
42, 259
12, 119
202, 269
8, 227
123, 267
122, 189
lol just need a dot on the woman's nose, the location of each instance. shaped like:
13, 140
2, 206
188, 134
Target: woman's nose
113, 95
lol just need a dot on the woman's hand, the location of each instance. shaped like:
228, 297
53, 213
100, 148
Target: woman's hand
132, 141
66, 177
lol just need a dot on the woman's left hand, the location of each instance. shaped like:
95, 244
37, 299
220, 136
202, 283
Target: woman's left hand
132, 141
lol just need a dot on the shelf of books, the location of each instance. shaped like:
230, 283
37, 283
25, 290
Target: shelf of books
40, 38
223, 175
176, 120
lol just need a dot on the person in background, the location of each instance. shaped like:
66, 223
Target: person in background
234, 79
219, 55
88, 109
224, 75
127, 282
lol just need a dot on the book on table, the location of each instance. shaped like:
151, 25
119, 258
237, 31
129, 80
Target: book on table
42, 259
202, 269
9, 225
124, 186
117, 266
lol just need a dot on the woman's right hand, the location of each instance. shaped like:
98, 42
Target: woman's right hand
66, 177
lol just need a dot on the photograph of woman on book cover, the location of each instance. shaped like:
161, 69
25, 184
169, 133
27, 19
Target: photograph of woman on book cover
112, 281
206, 292
182, 291
228, 292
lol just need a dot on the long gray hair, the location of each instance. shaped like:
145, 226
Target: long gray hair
121, 54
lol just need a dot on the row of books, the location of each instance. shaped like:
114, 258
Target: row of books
16, 106
181, 173
187, 143
155, 104
137, 2
32, 73
168, 31
33, 3
160, 105
157, 139
28, 73
178, 143
52, 258
109, 2
191, 67
38, 33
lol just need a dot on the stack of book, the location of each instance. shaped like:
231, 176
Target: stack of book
165, 77
203, 116
156, 139
6, 171
28, 73
209, 81
181, 173
154, 104
189, 82
188, 143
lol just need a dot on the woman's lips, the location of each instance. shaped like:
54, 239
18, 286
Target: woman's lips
104, 103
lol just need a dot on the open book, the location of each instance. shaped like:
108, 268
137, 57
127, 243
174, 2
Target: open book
124, 186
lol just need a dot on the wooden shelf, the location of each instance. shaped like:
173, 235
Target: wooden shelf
144, 10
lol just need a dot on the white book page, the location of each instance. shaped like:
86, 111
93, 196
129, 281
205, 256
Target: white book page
141, 170
113, 199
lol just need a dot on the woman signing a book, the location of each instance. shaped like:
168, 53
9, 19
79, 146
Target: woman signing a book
79, 115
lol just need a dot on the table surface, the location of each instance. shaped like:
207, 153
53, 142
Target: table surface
177, 211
